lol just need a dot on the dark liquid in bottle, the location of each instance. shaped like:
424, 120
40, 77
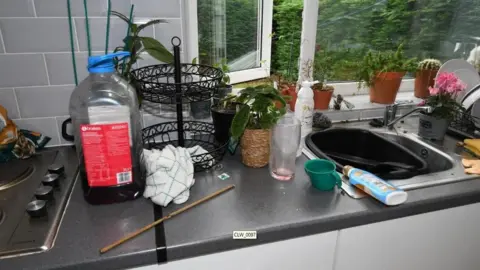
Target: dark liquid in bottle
113, 194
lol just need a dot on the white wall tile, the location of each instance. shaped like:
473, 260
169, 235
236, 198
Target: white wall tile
118, 31
165, 31
157, 9
46, 126
8, 101
24, 35
60, 68
44, 101
22, 70
58, 8
16, 8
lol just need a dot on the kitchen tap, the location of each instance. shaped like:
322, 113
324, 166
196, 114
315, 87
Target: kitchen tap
426, 109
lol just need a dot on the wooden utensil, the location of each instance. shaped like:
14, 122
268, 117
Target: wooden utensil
151, 225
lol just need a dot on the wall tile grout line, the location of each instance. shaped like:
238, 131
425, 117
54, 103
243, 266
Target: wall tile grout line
46, 68
37, 86
16, 101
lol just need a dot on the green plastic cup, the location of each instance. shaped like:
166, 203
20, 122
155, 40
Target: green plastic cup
323, 174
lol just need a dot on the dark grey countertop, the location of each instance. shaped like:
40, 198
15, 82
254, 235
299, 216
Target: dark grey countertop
277, 210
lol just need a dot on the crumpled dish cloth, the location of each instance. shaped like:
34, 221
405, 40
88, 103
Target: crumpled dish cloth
17, 143
170, 173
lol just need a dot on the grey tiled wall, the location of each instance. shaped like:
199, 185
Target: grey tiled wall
36, 74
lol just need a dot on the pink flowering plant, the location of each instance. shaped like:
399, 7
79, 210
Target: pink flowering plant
443, 96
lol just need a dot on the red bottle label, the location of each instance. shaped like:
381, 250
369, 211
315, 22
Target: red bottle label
106, 151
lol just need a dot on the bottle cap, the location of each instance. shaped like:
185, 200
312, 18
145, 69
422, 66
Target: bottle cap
104, 63
346, 170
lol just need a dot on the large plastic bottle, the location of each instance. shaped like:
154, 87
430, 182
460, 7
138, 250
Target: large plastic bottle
304, 111
108, 133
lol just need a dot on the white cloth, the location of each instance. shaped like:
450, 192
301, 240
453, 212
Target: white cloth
169, 174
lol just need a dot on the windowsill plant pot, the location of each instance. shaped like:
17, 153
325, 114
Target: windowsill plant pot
290, 90
322, 97
382, 72
222, 117
221, 92
442, 100
201, 109
425, 77
260, 109
432, 128
385, 87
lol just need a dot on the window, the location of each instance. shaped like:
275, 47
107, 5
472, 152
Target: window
346, 29
237, 31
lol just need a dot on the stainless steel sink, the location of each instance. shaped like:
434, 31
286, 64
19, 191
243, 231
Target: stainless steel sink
443, 159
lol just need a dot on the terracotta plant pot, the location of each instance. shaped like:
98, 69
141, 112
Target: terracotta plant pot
255, 144
423, 80
385, 87
322, 99
290, 91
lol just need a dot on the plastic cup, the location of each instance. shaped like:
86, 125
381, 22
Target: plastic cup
284, 144
322, 174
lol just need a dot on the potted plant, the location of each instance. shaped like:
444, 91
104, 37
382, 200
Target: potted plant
323, 69
222, 116
425, 76
252, 124
382, 72
224, 88
135, 45
201, 109
288, 87
445, 107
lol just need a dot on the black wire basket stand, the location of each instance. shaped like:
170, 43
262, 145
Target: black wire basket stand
178, 84
463, 125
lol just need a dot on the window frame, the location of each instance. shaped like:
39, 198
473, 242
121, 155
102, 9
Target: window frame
307, 53
190, 20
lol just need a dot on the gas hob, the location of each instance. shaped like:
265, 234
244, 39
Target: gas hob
33, 197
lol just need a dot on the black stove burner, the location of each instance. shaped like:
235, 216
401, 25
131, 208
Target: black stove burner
14, 172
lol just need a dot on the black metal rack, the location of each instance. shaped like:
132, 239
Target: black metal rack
463, 125
177, 84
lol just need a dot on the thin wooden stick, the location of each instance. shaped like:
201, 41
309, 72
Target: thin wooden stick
151, 225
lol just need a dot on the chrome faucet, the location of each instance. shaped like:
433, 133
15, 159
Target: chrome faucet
390, 125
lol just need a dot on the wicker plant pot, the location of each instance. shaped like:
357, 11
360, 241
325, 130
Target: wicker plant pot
255, 145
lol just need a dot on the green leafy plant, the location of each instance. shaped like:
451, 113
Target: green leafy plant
225, 68
260, 108
429, 64
386, 61
136, 44
228, 103
323, 70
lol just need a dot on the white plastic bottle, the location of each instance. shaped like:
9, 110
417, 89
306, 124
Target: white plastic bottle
304, 111
108, 133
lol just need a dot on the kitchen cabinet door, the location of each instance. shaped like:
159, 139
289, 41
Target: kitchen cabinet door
314, 252
442, 240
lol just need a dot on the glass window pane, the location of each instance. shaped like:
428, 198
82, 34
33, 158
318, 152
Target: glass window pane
346, 29
230, 29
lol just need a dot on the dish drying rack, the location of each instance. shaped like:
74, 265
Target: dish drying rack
463, 125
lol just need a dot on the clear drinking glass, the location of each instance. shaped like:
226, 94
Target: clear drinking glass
283, 147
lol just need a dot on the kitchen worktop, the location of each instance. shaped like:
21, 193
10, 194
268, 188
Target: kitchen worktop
276, 210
